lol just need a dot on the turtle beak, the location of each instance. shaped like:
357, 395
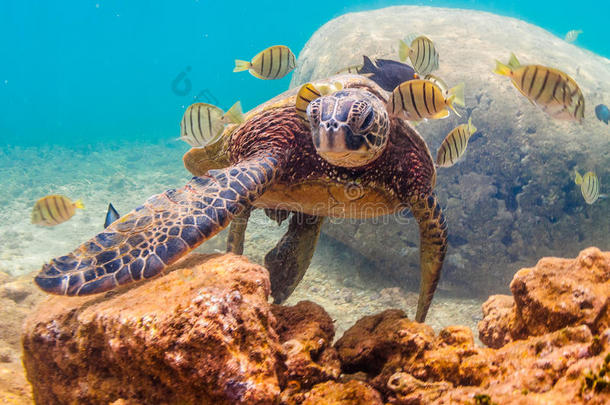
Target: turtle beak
333, 137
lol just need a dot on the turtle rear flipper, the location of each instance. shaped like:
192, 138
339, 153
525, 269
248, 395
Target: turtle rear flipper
156, 234
433, 245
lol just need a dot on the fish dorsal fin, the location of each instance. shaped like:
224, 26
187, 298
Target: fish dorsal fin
307, 93
513, 62
403, 50
411, 37
368, 66
438, 81
577, 177
234, 115
111, 215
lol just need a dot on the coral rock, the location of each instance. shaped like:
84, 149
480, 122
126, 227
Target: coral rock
200, 334
350, 393
306, 332
374, 340
498, 317
554, 294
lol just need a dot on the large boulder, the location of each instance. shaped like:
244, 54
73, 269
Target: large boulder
556, 293
512, 198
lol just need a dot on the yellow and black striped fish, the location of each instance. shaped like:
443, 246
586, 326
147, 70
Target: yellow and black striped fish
272, 63
553, 91
422, 54
308, 92
353, 69
54, 209
202, 123
589, 186
422, 99
454, 145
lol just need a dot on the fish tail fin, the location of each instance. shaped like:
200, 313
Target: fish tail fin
513, 62
368, 66
403, 50
79, 204
577, 177
241, 65
234, 115
471, 128
503, 69
457, 95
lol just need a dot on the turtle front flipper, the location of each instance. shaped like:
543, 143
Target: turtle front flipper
433, 245
156, 234
289, 260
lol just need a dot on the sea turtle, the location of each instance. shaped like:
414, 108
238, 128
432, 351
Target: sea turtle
345, 158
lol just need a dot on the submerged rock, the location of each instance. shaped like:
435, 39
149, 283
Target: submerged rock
205, 333
563, 358
512, 198
554, 294
306, 333
201, 334
17, 298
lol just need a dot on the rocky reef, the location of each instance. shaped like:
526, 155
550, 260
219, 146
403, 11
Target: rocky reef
512, 198
18, 296
205, 333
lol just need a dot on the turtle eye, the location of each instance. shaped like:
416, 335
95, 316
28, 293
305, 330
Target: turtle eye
367, 121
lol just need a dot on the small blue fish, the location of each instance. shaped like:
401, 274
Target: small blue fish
111, 216
602, 113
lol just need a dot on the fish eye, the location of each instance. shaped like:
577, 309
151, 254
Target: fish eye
367, 121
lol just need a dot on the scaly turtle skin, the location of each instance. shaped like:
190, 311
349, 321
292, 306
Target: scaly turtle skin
349, 160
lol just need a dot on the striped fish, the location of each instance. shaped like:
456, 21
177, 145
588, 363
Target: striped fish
438, 81
308, 92
572, 35
272, 63
353, 69
422, 99
553, 91
54, 209
422, 54
202, 123
454, 145
589, 186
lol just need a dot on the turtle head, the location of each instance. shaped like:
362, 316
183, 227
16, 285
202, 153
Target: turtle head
349, 127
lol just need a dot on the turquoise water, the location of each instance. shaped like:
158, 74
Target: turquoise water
76, 73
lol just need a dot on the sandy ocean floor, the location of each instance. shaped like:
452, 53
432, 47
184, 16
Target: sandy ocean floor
126, 174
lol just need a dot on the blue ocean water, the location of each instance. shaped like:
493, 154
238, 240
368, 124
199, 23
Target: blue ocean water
77, 72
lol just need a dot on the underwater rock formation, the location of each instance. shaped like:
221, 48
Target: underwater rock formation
306, 333
512, 198
411, 367
201, 334
205, 333
552, 295
336, 393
